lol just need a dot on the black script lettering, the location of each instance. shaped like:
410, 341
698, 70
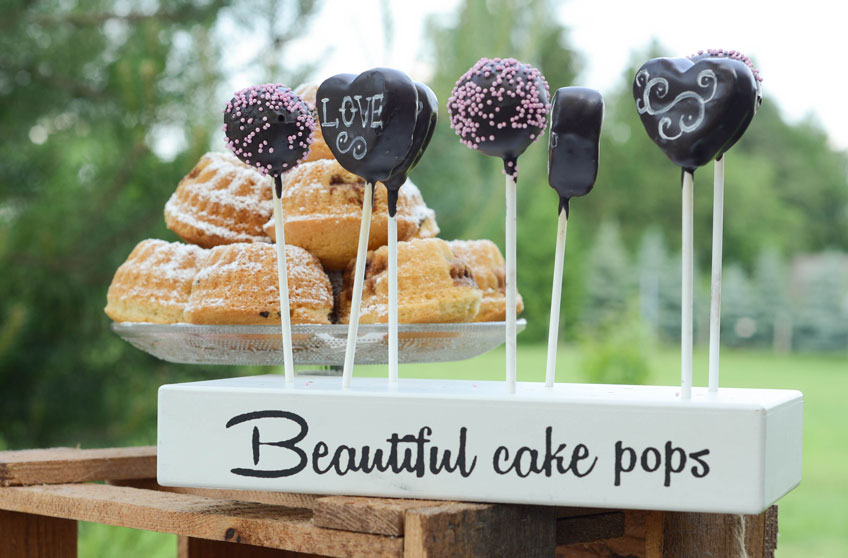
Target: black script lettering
318, 452
657, 459
552, 456
620, 450
705, 468
670, 452
460, 463
290, 444
580, 453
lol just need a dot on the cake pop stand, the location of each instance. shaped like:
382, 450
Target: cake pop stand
605, 446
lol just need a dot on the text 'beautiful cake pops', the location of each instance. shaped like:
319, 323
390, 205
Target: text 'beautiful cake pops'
499, 107
573, 149
270, 127
695, 109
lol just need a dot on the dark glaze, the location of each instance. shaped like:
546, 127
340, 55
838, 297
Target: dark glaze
719, 98
269, 127
425, 125
506, 115
573, 145
369, 136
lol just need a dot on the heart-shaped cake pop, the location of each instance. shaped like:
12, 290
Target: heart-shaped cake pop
573, 146
694, 110
269, 127
425, 124
499, 107
368, 120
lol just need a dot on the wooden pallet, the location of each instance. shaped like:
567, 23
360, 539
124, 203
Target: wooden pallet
43, 493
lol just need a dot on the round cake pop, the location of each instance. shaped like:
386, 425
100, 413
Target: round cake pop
499, 107
269, 127
573, 146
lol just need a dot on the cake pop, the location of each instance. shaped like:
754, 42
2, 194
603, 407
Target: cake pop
369, 123
573, 148
695, 109
271, 128
499, 107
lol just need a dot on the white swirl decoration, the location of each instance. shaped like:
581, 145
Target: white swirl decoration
345, 143
690, 120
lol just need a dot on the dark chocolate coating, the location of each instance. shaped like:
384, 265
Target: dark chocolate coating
368, 120
573, 145
499, 107
425, 125
269, 127
695, 110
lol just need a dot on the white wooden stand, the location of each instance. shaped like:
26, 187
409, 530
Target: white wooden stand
635, 447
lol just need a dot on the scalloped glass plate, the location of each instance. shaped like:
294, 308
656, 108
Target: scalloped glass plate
315, 344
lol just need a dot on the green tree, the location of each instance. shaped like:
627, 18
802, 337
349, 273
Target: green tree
89, 92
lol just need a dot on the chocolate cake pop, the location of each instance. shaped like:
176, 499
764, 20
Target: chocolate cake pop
269, 127
368, 121
499, 107
573, 149
695, 109
576, 119
425, 124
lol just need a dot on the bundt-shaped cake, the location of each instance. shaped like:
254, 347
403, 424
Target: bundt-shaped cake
154, 284
489, 270
433, 285
239, 286
221, 201
322, 203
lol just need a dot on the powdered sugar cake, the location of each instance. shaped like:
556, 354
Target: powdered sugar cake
239, 286
323, 208
221, 201
487, 266
154, 284
434, 286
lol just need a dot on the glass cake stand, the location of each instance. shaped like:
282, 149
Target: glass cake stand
313, 344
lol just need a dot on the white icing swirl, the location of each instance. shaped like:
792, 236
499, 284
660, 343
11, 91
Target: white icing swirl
689, 121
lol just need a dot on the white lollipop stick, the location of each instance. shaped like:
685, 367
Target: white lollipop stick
358, 279
393, 300
282, 275
511, 289
715, 283
687, 294
556, 297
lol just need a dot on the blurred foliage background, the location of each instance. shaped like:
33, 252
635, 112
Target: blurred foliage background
91, 89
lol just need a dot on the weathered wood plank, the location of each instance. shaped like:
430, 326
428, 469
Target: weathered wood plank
24, 535
381, 516
729, 535
642, 538
64, 465
589, 528
287, 499
189, 547
196, 516
470, 530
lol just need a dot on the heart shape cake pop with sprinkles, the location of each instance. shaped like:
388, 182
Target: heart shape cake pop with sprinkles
269, 127
695, 109
499, 107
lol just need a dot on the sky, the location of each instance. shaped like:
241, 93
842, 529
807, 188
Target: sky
793, 45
